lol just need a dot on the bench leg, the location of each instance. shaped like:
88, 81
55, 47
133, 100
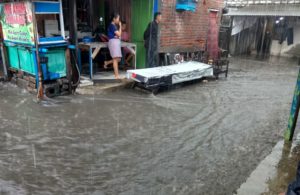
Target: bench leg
227, 67
133, 85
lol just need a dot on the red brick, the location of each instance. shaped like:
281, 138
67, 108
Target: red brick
185, 29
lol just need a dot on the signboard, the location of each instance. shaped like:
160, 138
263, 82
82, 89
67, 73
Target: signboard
17, 24
178, 73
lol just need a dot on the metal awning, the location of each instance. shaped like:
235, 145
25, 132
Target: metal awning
266, 10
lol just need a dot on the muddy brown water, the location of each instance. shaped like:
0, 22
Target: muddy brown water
286, 169
203, 138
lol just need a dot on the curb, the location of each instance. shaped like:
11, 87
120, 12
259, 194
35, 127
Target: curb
101, 88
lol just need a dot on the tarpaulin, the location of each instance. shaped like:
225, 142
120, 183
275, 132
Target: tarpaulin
241, 23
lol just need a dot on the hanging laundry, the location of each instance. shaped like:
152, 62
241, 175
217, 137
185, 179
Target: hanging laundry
287, 34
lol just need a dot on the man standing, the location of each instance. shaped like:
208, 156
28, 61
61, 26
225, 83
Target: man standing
151, 41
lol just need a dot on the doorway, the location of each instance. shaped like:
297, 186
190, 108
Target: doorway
137, 14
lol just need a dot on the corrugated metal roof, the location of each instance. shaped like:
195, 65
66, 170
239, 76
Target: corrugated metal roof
240, 3
266, 10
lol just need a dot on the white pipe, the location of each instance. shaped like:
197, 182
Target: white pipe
61, 19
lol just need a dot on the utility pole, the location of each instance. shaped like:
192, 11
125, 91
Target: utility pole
289, 133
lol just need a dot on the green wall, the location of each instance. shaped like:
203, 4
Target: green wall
142, 11
101, 11
20, 58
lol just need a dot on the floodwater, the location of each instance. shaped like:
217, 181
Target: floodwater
203, 138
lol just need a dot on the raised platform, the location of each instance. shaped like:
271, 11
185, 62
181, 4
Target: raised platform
108, 77
105, 77
153, 78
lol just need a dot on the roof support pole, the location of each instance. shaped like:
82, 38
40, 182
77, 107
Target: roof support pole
263, 36
91, 14
61, 20
3, 60
73, 23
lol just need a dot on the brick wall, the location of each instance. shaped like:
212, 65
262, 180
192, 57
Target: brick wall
182, 31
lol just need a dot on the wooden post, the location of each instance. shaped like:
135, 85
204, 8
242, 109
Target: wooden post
73, 23
2, 54
40, 90
73, 39
289, 133
91, 14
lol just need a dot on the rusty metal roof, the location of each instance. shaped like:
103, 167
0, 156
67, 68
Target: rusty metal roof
266, 10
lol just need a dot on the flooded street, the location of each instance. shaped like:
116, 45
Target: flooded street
203, 138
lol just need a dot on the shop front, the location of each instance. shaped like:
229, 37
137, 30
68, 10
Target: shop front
41, 60
92, 20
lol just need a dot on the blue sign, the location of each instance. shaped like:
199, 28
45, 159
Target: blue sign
155, 7
186, 5
47, 7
